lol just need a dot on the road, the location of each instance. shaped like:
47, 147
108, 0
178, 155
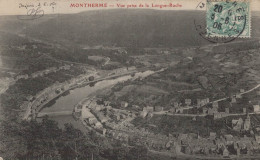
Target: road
218, 100
248, 91
61, 113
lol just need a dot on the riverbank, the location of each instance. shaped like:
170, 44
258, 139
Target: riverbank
32, 110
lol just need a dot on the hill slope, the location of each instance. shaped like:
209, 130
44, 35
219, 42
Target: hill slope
123, 28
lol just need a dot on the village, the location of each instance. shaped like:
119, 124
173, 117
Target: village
98, 115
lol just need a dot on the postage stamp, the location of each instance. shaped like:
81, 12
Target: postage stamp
228, 19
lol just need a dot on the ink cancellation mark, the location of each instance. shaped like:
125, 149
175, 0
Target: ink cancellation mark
223, 20
229, 19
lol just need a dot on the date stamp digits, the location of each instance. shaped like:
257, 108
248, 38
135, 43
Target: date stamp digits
228, 19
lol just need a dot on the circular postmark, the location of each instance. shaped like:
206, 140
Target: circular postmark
224, 21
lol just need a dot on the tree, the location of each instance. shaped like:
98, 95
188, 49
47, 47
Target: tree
137, 153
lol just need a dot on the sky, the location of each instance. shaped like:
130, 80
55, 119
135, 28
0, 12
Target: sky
17, 7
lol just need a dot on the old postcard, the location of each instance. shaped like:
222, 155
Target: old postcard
129, 79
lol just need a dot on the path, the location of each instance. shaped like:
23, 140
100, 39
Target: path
248, 91
60, 113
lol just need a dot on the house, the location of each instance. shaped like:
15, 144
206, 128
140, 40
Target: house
36, 74
237, 124
204, 110
212, 135
225, 152
215, 104
183, 138
124, 104
136, 106
168, 144
176, 104
118, 117
204, 101
257, 129
158, 108
247, 123
233, 100
179, 110
212, 111
66, 67
244, 110
257, 139
177, 148
220, 143
92, 120
25, 105
238, 95
245, 143
241, 145
198, 102
85, 113
98, 125
150, 114
255, 145
172, 110
25, 76
188, 102
227, 110
29, 98
99, 108
143, 114
148, 109
229, 139
109, 107
107, 103
219, 115
238, 151
64, 87
256, 108
102, 117
104, 131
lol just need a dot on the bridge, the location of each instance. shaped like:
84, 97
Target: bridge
53, 114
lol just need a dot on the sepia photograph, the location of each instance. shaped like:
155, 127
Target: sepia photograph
129, 79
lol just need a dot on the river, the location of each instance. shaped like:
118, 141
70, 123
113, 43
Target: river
67, 102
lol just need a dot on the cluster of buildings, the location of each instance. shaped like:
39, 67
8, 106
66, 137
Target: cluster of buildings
91, 114
39, 100
225, 145
214, 111
122, 70
35, 103
191, 143
50, 70
240, 124
219, 145
43, 72
98, 113
176, 108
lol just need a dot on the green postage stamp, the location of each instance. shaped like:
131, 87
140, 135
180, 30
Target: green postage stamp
228, 19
